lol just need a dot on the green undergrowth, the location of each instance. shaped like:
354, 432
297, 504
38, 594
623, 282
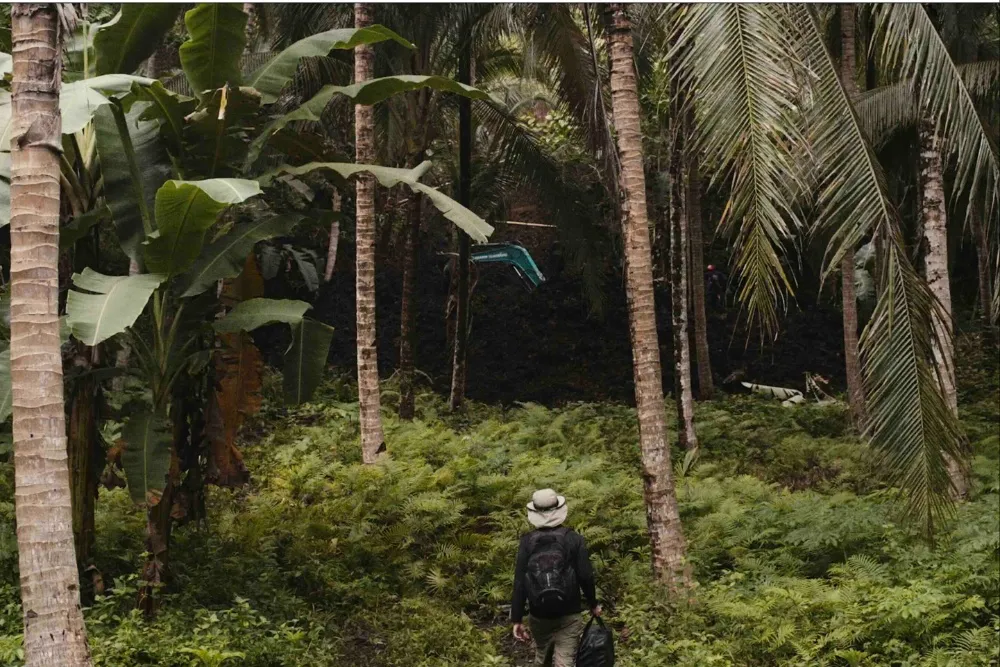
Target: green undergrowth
320, 561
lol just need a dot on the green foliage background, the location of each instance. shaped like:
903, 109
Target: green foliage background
323, 561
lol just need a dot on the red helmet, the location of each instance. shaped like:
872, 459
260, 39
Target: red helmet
711, 267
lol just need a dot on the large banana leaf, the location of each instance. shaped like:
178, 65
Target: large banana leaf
305, 360
270, 78
226, 257
168, 107
135, 165
211, 56
80, 226
146, 458
78, 101
255, 313
371, 91
124, 42
215, 139
115, 305
184, 212
466, 220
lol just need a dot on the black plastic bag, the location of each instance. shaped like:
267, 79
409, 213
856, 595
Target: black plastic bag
597, 645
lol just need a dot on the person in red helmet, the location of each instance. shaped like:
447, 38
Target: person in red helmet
715, 286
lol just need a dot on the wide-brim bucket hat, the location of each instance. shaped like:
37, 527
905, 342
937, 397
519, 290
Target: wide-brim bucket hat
547, 509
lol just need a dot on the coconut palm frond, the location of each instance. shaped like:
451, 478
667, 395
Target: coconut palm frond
912, 43
982, 79
288, 22
995, 310
910, 423
885, 110
736, 58
558, 45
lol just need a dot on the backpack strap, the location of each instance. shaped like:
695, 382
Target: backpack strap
536, 536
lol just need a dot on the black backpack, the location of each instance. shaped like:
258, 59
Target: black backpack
551, 579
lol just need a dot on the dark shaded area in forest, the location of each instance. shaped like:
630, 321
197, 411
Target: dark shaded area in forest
543, 345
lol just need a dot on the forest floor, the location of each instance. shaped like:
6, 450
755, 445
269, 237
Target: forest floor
797, 546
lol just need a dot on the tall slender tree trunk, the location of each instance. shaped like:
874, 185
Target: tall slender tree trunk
331, 248
662, 516
849, 300
461, 348
252, 26
372, 438
679, 271
408, 310
706, 386
983, 265
85, 464
54, 633
933, 215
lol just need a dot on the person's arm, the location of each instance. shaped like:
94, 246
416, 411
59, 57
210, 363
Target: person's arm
585, 575
517, 599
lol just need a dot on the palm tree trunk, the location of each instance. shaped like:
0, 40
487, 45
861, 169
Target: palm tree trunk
54, 632
408, 312
706, 386
460, 359
662, 516
331, 249
372, 439
849, 301
679, 271
983, 264
933, 215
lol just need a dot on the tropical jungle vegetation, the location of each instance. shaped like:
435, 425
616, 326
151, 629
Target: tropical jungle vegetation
304, 300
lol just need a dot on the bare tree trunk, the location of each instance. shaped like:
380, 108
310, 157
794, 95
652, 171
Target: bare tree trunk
849, 301
372, 438
408, 310
983, 265
54, 632
934, 217
85, 462
706, 386
252, 27
662, 516
460, 359
679, 270
331, 250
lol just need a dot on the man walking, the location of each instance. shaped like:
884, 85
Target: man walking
553, 566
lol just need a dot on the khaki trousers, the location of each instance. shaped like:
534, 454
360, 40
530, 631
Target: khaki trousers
556, 639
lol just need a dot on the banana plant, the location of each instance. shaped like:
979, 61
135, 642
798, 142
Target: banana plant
187, 206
